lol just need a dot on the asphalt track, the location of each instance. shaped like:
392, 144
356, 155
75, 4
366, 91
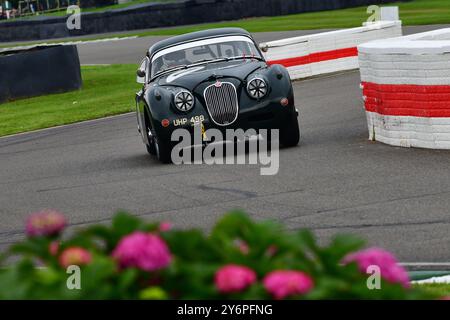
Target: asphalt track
336, 181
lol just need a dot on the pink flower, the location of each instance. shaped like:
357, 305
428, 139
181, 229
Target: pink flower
165, 226
234, 278
285, 283
271, 250
74, 256
242, 246
45, 223
390, 270
53, 248
142, 250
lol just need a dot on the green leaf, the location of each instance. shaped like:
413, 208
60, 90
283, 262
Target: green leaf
153, 293
190, 245
307, 240
341, 245
48, 276
233, 224
97, 278
16, 281
127, 279
102, 233
124, 223
38, 247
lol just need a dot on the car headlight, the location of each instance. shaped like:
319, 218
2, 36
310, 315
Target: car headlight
184, 100
257, 88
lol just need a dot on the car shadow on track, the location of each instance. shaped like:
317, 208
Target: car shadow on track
133, 161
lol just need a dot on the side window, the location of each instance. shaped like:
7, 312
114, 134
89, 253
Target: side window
157, 66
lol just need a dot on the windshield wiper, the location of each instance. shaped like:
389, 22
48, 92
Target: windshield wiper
222, 59
245, 58
207, 61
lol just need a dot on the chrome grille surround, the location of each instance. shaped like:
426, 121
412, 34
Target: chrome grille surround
222, 103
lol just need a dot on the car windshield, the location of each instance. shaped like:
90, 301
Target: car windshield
203, 51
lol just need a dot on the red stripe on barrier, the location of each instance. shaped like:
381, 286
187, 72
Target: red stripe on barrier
408, 100
317, 57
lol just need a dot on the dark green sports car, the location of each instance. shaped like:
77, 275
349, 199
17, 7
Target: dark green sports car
217, 78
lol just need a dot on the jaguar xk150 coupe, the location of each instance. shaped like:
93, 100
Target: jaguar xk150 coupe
217, 78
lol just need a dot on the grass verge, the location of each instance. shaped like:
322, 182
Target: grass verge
417, 12
107, 90
438, 289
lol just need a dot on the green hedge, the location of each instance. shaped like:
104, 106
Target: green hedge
238, 259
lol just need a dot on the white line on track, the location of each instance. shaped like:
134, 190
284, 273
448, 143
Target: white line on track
67, 43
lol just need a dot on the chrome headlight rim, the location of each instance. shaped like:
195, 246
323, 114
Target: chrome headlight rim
259, 90
184, 100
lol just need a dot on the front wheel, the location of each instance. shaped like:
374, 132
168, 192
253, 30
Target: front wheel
151, 149
157, 147
290, 134
163, 150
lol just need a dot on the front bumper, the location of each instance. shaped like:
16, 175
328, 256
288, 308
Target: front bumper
264, 115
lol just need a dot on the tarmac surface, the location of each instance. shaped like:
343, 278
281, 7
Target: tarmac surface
335, 181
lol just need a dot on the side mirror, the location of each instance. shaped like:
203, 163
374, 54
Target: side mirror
140, 73
264, 47
140, 76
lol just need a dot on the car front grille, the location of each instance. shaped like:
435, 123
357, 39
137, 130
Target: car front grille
222, 103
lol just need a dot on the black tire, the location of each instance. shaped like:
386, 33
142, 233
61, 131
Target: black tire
163, 150
150, 134
156, 147
151, 149
290, 134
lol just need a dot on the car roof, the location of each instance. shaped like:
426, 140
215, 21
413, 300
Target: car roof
188, 37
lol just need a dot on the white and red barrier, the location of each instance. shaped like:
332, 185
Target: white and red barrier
327, 52
406, 88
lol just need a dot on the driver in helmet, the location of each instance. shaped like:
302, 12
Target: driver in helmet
175, 59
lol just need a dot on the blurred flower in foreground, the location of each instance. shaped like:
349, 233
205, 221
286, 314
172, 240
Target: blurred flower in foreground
271, 250
285, 283
45, 223
233, 278
53, 248
142, 250
165, 226
242, 246
390, 270
74, 256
